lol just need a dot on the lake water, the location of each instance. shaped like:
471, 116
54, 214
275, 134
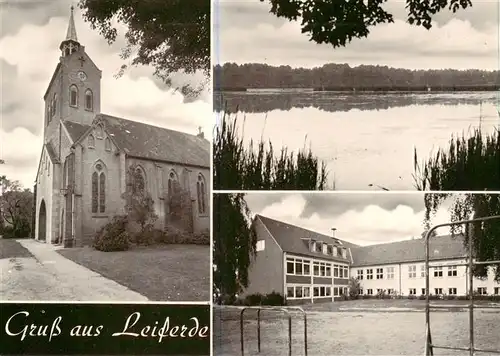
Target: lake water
367, 140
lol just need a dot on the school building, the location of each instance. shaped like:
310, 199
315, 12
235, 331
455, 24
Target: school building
309, 267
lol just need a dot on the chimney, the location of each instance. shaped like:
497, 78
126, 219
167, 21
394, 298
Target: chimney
200, 133
334, 229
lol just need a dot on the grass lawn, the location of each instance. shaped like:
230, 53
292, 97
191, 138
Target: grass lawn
161, 272
374, 332
10, 248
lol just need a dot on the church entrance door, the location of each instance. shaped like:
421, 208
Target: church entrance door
42, 222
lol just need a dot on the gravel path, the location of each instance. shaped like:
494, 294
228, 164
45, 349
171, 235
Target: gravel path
42, 274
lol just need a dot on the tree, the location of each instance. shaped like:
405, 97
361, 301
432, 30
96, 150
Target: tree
341, 76
338, 22
169, 35
354, 288
180, 206
16, 208
138, 202
234, 243
485, 235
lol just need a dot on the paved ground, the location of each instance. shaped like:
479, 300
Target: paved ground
160, 272
352, 332
30, 270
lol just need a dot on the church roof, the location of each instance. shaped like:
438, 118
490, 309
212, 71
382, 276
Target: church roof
156, 143
71, 33
51, 152
75, 129
141, 140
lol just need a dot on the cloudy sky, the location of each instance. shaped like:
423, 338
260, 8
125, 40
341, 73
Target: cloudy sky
363, 219
468, 39
29, 52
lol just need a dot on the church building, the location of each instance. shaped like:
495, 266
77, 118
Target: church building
82, 173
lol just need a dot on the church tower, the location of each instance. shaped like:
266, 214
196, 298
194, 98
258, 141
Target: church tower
74, 92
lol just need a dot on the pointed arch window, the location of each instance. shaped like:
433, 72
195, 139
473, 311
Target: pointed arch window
107, 144
201, 193
91, 141
54, 106
99, 189
139, 180
99, 132
73, 96
89, 100
172, 179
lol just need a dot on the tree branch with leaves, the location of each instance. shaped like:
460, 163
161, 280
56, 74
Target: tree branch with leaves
337, 22
169, 35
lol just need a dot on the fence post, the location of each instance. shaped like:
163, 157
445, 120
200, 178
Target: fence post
471, 292
289, 334
241, 332
258, 329
428, 340
305, 332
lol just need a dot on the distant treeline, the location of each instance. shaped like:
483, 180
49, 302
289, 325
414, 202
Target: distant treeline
342, 77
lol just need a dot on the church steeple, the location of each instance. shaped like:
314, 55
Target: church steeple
70, 44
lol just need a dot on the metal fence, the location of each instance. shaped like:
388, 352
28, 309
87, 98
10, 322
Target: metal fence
275, 309
429, 346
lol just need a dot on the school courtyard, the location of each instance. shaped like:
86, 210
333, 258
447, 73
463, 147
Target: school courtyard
360, 327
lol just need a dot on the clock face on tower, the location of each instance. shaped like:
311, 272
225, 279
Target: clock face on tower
82, 76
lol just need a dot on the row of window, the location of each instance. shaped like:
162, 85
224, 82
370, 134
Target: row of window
91, 143
437, 291
99, 187
369, 291
304, 291
412, 272
302, 267
379, 273
73, 101
73, 98
328, 249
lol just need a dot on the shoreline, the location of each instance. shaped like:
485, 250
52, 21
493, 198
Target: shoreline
355, 91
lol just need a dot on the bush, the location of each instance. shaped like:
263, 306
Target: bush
412, 296
202, 238
22, 231
149, 236
229, 300
113, 236
274, 299
172, 235
253, 299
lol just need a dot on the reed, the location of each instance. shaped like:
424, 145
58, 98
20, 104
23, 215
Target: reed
259, 167
470, 162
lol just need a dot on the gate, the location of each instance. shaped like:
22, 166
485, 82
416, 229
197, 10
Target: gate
279, 309
429, 346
